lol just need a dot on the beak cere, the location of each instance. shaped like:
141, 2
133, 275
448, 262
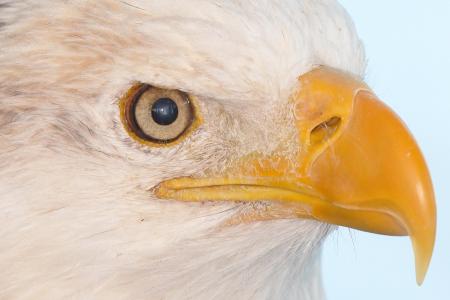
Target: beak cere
357, 166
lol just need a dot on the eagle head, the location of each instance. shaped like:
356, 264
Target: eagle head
192, 149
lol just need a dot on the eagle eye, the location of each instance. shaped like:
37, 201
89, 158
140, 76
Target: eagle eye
155, 115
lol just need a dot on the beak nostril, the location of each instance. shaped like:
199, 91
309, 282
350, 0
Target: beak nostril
325, 130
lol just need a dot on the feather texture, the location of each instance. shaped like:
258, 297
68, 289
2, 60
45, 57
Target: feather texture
77, 216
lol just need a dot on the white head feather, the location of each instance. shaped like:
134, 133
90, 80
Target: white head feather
77, 219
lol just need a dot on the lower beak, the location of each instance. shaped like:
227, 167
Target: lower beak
358, 166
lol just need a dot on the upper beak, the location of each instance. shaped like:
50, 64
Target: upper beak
357, 166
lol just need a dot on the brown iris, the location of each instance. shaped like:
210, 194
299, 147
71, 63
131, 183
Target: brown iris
157, 115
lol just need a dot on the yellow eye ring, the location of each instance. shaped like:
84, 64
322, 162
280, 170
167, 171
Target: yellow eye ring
140, 117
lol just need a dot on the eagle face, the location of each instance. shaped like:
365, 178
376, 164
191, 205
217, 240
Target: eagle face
94, 204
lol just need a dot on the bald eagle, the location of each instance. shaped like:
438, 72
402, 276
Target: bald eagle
197, 149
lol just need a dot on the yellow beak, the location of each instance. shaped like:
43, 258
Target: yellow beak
357, 166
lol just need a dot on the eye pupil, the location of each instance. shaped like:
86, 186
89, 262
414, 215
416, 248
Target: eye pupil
164, 111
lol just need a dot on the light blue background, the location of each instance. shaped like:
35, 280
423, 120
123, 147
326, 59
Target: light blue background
408, 46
